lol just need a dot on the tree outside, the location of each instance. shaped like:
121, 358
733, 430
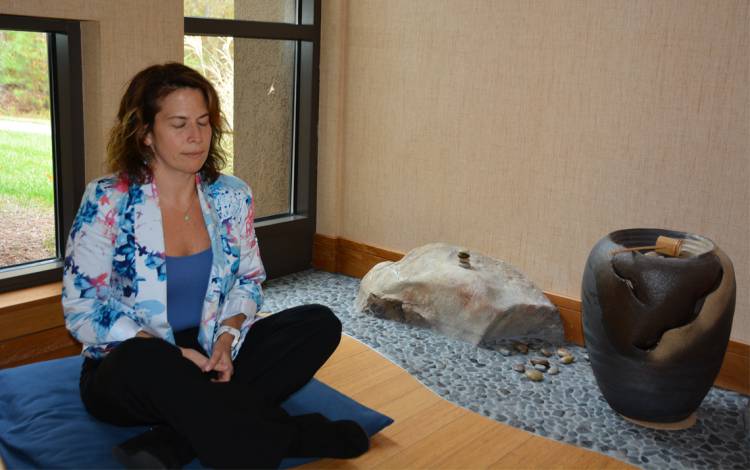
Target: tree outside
24, 83
214, 58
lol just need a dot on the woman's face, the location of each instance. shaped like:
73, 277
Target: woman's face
181, 134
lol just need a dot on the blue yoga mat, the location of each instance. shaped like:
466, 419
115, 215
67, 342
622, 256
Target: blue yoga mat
43, 423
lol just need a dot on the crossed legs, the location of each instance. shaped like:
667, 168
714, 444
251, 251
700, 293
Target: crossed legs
235, 424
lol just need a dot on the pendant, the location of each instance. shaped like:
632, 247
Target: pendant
187, 218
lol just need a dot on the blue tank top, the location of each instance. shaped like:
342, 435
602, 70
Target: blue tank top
187, 280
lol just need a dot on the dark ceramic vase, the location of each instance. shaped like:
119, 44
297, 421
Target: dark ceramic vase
656, 328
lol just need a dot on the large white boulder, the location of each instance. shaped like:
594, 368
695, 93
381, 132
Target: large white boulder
485, 303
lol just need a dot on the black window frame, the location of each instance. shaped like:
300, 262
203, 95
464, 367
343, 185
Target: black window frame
286, 240
66, 112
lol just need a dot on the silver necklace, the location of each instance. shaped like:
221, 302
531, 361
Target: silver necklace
186, 215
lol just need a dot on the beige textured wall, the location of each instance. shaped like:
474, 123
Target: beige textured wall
119, 38
530, 129
331, 128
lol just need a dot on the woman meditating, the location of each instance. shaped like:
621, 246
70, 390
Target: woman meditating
162, 285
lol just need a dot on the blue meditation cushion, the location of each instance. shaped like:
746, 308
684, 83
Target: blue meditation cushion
43, 423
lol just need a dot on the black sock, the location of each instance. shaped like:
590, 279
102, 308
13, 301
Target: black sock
159, 447
319, 437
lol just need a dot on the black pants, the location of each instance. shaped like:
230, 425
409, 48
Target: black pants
231, 424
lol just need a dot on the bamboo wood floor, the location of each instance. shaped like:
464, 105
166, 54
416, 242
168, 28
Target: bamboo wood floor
430, 432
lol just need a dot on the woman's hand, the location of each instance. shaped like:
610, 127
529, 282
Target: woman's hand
221, 359
195, 357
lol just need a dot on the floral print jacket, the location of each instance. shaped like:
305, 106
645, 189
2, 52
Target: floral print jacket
115, 278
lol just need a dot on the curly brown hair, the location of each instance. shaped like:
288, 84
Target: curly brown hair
127, 154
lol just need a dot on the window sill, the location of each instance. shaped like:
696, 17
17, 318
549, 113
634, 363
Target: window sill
32, 327
29, 297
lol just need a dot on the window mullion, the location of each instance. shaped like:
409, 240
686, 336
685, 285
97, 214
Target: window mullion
54, 103
249, 29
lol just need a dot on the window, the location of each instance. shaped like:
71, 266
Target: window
41, 146
262, 56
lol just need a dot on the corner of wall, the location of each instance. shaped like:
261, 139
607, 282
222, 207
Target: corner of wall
332, 117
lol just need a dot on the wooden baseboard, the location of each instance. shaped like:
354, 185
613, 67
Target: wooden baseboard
32, 327
735, 370
356, 259
324, 253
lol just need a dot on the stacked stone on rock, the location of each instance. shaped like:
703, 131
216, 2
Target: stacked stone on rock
485, 304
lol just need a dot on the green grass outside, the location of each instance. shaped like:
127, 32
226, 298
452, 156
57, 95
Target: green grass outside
26, 169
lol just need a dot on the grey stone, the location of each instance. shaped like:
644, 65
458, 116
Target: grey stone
534, 375
490, 301
567, 359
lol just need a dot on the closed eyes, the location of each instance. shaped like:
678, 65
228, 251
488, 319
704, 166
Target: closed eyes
179, 123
